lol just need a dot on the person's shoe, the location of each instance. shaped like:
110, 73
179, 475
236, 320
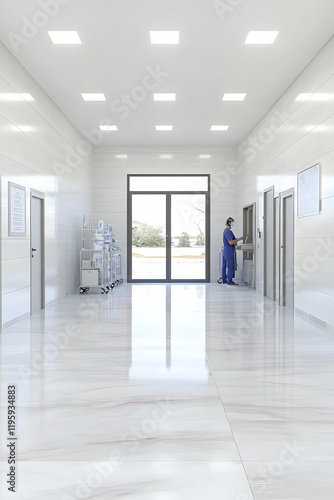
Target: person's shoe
232, 283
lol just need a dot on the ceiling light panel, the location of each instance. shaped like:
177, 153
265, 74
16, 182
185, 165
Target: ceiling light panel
261, 37
234, 96
317, 96
163, 128
164, 37
13, 96
108, 128
91, 96
65, 37
164, 96
219, 128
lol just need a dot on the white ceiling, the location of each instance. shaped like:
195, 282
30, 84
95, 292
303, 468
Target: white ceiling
210, 59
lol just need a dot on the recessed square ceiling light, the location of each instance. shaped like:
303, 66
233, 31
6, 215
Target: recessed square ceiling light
166, 157
261, 37
219, 127
91, 96
121, 157
234, 97
317, 96
163, 127
164, 37
108, 128
203, 157
164, 96
65, 37
14, 96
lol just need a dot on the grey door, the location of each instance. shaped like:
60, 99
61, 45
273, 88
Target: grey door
269, 245
287, 250
37, 254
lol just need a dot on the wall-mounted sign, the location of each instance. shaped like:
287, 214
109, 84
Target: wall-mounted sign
308, 191
16, 210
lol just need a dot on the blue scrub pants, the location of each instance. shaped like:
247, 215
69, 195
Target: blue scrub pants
229, 263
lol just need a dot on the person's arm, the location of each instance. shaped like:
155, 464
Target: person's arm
235, 242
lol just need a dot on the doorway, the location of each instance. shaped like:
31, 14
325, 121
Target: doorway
287, 248
249, 245
168, 229
269, 244
37, 272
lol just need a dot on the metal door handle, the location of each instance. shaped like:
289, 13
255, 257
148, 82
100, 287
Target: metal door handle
33, 249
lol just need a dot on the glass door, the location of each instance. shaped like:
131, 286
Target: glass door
188, 232
149, 237
168, 229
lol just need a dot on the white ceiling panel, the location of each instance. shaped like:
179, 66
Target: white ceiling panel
116, 58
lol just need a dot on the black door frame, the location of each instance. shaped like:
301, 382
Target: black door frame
168, 227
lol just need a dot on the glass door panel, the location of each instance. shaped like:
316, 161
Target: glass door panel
149, 236
188, 236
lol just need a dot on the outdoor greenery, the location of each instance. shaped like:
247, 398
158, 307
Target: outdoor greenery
200, 239
148, 236
184, 240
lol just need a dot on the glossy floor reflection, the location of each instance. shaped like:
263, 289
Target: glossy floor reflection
169, 392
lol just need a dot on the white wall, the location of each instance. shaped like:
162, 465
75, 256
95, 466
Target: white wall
295, 135
44, 158
110, 186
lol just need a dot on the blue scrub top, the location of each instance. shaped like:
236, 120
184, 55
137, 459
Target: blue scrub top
228, 250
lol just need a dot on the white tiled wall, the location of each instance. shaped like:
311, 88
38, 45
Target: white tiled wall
38, 158
295, 135
110, 186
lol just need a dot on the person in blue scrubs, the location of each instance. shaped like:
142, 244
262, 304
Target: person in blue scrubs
229, 242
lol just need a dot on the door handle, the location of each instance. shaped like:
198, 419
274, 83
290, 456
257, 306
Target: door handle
33, 249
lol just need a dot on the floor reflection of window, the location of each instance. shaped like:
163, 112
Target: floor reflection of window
168, 332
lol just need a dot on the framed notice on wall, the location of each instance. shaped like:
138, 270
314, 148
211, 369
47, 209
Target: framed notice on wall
16, 210
308, 191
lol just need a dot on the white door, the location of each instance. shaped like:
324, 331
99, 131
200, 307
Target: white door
37, 254
287, 250
269, 247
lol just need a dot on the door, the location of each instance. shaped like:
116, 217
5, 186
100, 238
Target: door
37, 287
188, 236
168, 230
287, 250
277, 246
269, 248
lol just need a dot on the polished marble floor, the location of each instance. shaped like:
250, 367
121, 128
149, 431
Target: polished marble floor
169, 392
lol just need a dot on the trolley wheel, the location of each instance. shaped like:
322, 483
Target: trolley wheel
102, 290
116, 283
121, 280
82, 290
112, 285
220, 281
